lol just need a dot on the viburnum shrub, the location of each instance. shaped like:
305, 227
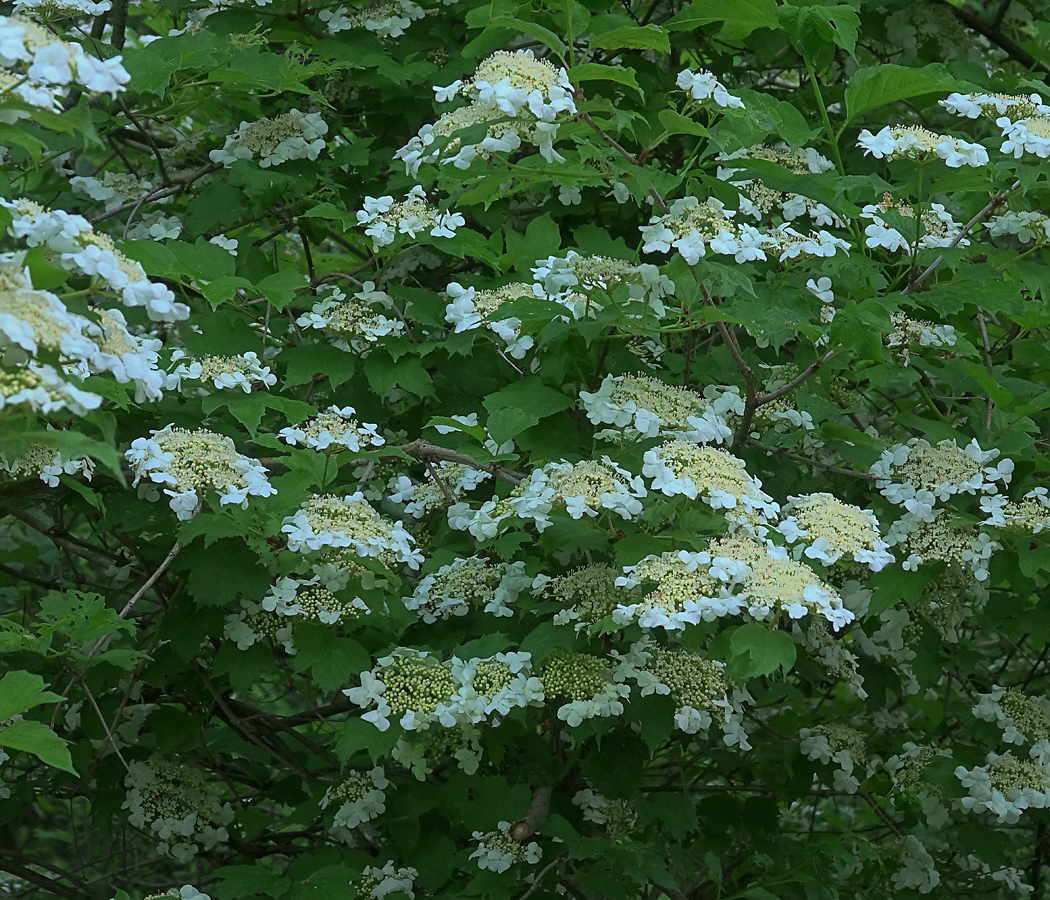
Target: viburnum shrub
586, 450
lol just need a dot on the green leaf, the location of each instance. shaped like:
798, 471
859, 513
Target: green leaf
739, 17
633, 37
812, 27
39, 740
20, 691
767, 649
150, 72
877, 86
599, 72
280, 287
332, 660
250, 881
301, 364
406, 372
543, 35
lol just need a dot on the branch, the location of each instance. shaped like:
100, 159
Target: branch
539, 876
794, 383
787, 454
525, 827
178, 185
1010, 47
82, 549
427, 452
50, 885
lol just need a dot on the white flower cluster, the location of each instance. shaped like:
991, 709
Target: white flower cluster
617, 817
838, 744
292, 135
376, 882
1006, 786
643, 407
385, 218
360, 797
908, 331
189, 463
703, 86
907, 142
1025, 225
758, 200
917, 867
48, 464
470, 308
515, 84
713, 475
81, 249
314, 598
824, 528
187, 891
113, 188
178, 806
907, 768
44, 61
938, 228
464, 584
1024, 120
589, 686
349, 522
334, 428
588, 594
242, 370
498, 851
570, 280
917, 474
583, 489
386, 19
1030, 514
43, 389
736, 575
354, 324
1024, 719
66, 7
155, 226
419, 499
419, 690
937, 538
251, 624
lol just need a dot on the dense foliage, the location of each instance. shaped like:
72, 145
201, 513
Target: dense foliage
592, 449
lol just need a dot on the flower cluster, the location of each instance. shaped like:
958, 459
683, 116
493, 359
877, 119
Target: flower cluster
419, 499
571, 279
293, 135
588, 594
359, 798
617, 817
385, 19
113, 188
736, 575
354, 324
178, 806
698, 687
1006, 786
455, 589
937, 538
1025, 225
824, 528
375, 882
837, 744
996, 106
187, 891
908, 331
713, 475
703, 86
335, 428
469, 308
314, 598
251, 624
45, 62
757, 199
242, 370
190, 463
498, 851
349, 522
586, 685
918, 474
44, 390
1030, 514
385, 218
644, 407
81, 249
1024, 719
907, 142
48, 464
935, 227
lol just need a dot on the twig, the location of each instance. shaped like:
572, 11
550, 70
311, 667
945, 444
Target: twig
79, 548
794, 383
539, 877
988, 366
105, 727
787, 454
440, 482
177, 186
428, 452
540, 806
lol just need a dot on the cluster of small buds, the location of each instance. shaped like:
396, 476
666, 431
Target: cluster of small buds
758, 200
736, 575
816, 639
589, 594
907, 332
350, 522
824, 528
43, 389
618, 817
470, 308
493, 686
703, 86
375, 882
907, 142
586, 685
498, 851
45, 61
179, 806
292, 135
644, 407
938, 227
113, 188
570, 280
698, 687
459, 743
1024, 719
359, 798
1029, 515
1025, 225
48, 464
385, 218
455, 589
81, 249
189, 463
336, 429
918, 474
314, 598
354, 324
937, 538
242, 370
1006, 786
907, 768
839, 744
419, 499
996, 106
713, 475
387, 19
252, 624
